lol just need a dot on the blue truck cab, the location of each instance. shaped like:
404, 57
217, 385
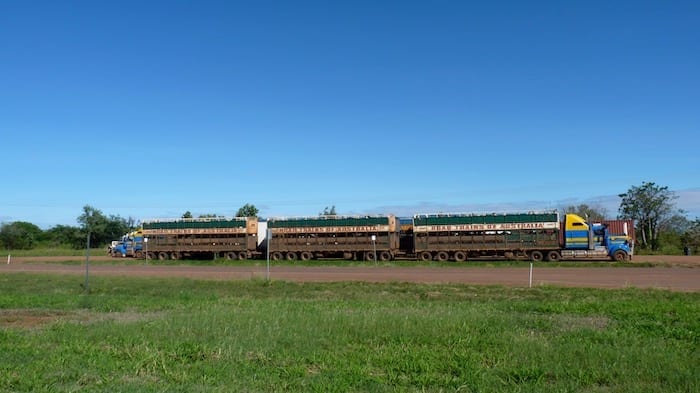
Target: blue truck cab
130, 245
583, 240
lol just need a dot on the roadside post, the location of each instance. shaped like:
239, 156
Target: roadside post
269, 238
145, 246
87, 264
530, 274
374, 244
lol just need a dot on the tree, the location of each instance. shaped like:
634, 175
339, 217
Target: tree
102, 229
651, 206
19, 235
247, 210
591, 213
64, 235
187, 214
328, 212
691, 237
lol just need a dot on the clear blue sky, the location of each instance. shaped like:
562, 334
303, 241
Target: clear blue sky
152, 108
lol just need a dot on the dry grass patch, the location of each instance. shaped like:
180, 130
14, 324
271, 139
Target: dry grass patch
36, 319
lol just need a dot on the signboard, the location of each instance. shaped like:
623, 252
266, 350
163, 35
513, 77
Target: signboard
487, 227
340, 229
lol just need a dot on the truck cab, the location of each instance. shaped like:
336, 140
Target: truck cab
130, 245
583, 240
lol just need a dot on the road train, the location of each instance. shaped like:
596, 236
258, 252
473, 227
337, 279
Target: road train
533, 236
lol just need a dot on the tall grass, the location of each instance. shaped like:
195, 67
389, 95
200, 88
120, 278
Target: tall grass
182, 335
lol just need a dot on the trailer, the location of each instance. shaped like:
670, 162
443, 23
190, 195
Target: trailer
347, 237
201, 238
533, 235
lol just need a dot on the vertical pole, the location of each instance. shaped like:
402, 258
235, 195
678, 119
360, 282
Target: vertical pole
87, 264
530, 274
269, 238
8, 259
374, 244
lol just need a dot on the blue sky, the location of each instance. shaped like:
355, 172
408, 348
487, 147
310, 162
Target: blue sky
150, 109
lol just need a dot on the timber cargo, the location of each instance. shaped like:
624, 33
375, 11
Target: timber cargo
358, 237
203, 238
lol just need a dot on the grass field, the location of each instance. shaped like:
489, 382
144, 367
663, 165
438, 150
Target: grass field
136, 335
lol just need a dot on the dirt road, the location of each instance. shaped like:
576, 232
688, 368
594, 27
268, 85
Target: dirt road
678, 273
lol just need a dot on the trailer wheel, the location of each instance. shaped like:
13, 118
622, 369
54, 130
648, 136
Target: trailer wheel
385, 256
151, 255
441, 256
425, 256
553, 256
174, 255
370, 256
620, 256
230, 255
162, 255
536, 256
305, 256
460, 256
291, 256
276, 256
242, 255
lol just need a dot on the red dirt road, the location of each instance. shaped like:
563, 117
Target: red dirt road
677, 273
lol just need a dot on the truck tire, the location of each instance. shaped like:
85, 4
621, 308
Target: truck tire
305, 256
162, 255
231, 255
536, 256
139, 254
276, 256
425, 256
291, 256
553, 256
370, 256
619, 256
442, 256
460, 256
385, 256
242, 255
174, 255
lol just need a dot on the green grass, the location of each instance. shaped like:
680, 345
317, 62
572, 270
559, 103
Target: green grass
133, 334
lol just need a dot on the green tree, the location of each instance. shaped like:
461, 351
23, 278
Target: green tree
592, 213
691, 237
247, 210
102, 229
187, 214
651, 206
328, 212
92, 222
19, 235
65, 235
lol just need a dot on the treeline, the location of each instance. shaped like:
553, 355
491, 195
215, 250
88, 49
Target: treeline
660, 226
20, 235
102, 229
